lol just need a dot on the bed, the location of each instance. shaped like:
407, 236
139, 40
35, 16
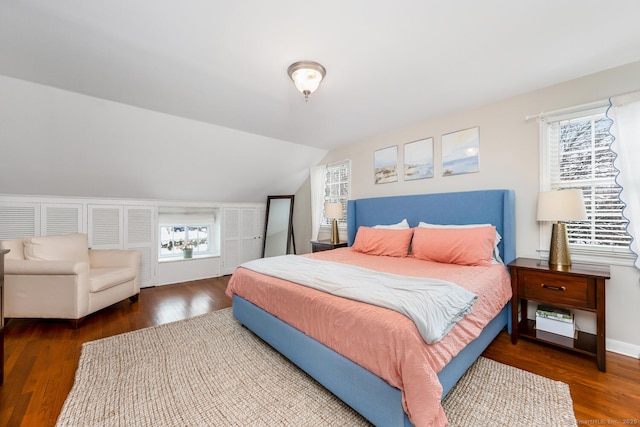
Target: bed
363, 390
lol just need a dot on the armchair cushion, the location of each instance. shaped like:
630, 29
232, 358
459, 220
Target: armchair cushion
105, 278
70, 247
114, 258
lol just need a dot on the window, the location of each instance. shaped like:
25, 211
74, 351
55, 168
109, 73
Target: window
188, 227
337, 189
175, 238
578, 156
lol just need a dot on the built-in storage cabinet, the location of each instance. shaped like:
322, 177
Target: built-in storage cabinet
242, 234
19, 220
118, 224
125, 227
108, 225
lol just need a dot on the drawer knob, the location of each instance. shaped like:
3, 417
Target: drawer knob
553, 288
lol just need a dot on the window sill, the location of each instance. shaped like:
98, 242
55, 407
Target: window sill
180, 259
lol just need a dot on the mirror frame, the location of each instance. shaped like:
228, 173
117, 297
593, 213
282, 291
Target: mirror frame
290, 238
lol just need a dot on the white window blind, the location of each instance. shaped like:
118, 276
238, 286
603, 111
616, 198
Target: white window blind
580, 157
338, 188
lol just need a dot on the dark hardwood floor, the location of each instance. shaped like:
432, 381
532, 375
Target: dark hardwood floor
41, 357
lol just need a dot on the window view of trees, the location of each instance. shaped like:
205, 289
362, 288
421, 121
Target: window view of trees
581, 158
337, 189
176, 238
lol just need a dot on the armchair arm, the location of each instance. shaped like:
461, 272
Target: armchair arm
46, 289
114, 258
35, 268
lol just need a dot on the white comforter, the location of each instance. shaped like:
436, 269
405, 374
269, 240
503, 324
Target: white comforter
434, 305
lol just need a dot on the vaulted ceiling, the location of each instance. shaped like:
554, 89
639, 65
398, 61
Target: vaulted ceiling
389, 64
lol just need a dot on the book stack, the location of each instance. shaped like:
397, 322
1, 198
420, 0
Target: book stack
555, 320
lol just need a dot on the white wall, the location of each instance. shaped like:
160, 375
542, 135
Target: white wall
177, 271
59, 143
509, 158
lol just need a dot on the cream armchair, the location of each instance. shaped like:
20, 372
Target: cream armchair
59, 277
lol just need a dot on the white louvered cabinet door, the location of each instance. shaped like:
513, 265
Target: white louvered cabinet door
19, 220
105, 226
62, 218
139, 235
231, 248
252, 230
242, 236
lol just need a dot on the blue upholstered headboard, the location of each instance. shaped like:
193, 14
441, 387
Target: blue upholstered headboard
496, 207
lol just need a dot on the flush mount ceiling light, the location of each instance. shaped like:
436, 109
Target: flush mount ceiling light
307, 76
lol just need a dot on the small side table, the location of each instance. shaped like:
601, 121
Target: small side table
325, 245
579, 287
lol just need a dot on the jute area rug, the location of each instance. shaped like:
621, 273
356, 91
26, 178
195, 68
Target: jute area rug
210, 371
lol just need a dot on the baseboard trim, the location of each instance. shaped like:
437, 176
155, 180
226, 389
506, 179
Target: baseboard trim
623, 348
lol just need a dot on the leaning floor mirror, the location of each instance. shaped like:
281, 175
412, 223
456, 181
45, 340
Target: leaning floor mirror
278, 227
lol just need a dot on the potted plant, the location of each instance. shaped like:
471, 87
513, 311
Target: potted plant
187, 249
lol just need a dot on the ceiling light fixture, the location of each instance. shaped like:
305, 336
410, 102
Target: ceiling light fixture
307, 76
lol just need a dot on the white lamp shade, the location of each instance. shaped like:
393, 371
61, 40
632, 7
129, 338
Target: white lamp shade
333, 210
561, 205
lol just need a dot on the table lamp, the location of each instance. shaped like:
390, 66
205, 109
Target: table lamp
333, 210
558, 206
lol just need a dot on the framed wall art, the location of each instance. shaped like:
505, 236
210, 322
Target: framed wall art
418, 159
461, 152
385, 165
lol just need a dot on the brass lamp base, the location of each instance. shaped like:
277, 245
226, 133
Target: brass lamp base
335, 236
559, 254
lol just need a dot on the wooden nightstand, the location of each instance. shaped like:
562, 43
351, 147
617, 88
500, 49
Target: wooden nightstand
579, 287
325, 245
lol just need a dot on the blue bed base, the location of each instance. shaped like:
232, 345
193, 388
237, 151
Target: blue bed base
368, 394
365, 392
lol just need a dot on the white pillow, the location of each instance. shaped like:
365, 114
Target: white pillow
496, 251
402, 225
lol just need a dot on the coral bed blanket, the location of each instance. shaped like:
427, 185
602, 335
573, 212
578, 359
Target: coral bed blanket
381, 340
434, 305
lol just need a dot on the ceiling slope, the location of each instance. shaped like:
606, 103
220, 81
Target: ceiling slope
59, 143
389, 64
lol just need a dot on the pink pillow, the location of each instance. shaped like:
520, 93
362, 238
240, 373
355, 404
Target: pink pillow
465, 246
383, 241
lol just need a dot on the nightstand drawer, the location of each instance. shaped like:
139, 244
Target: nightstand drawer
558, 289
